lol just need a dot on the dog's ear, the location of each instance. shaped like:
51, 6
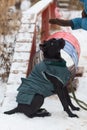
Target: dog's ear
42, 45
52, 40
61, 43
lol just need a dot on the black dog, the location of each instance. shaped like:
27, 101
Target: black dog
49, 77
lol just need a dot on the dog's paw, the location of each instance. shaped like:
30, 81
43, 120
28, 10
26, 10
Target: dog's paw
70, 114
73, 115
75, 108
42, 113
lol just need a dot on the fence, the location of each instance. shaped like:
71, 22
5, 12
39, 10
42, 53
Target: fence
45, 9
25, 43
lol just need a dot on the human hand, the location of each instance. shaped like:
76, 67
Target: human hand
53, 21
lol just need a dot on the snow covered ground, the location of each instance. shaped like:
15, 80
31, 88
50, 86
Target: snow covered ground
59, 119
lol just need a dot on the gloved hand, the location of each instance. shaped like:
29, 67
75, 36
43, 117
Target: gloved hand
53, 21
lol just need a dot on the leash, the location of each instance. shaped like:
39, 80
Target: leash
82, 104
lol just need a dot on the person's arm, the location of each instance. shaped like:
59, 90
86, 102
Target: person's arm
61, 22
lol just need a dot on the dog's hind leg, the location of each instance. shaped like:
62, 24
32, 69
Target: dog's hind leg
28, 110
34, 109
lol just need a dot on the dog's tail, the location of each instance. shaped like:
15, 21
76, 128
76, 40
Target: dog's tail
13, 111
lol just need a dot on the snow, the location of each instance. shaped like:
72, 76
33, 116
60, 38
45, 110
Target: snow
25, 5
59, 119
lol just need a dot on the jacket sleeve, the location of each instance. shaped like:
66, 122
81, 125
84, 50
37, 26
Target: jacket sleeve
85, 5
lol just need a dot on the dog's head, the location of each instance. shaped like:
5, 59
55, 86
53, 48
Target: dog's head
51, 48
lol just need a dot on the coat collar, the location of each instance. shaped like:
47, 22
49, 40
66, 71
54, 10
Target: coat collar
60, 62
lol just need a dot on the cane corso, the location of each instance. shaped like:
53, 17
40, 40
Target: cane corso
47, 78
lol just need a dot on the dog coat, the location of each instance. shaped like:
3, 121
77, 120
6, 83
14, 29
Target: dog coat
37, 83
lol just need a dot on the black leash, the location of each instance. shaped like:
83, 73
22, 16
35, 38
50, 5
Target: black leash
82, 104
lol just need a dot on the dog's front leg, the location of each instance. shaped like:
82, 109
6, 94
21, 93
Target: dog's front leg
69, 100
61, 94
59, 90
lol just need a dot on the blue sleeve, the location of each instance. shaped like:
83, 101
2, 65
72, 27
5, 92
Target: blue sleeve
82, 1
79, 23
85, 6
